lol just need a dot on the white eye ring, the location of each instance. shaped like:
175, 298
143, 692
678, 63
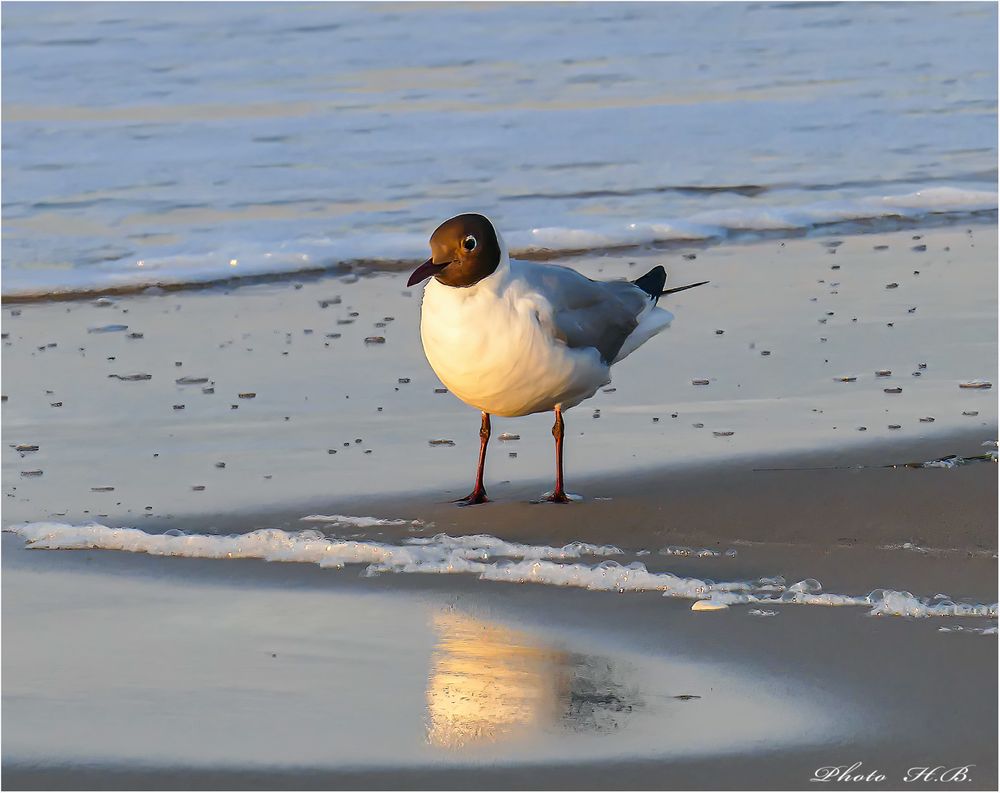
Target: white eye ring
469, 243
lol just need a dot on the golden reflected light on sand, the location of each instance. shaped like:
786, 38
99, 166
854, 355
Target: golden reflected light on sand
489, 682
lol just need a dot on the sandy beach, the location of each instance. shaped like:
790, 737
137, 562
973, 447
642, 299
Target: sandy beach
272, 406
230, 550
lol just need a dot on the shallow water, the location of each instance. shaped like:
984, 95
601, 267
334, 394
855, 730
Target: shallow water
246, 677
190, 142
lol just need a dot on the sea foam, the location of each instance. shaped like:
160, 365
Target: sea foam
491, 559
389, 249
362, 522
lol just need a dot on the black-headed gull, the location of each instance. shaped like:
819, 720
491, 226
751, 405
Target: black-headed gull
513, 337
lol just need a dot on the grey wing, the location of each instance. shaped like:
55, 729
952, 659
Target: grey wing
586, 313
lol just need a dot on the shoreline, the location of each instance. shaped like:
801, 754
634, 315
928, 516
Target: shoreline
366, 266
848, 496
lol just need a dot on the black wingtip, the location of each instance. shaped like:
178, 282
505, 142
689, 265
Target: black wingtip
652, 282
682, 288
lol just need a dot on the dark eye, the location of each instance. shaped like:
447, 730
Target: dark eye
469, 243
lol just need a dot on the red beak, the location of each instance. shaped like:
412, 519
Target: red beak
425, 271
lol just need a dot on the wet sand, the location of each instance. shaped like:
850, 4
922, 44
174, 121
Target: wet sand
175, 655
309, 426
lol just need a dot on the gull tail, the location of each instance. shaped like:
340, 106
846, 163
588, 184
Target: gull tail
682, 288
652, 283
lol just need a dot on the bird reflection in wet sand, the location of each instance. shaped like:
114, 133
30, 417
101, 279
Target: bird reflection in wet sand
490, 683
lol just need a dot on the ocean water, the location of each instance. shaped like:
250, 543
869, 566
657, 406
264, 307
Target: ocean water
146, 143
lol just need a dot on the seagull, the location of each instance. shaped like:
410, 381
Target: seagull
512, 338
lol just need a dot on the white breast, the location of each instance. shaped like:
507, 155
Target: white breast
487, 346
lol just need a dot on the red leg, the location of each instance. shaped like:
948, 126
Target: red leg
558, 494
478, 494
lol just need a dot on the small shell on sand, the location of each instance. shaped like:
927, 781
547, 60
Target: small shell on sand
970, 412
31, 473
847, 379
508, 436
976, 384
699, 382
893, 285
723, 433
131, 377
441, 442
896, 390
104, 489
927, 419
247, 395
895, 426
708, 605
883, 372
26, 447
375, 340
191, 380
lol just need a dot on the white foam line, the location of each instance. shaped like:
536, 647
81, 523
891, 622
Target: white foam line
478, 555
193, 268
991, 631
362, 522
